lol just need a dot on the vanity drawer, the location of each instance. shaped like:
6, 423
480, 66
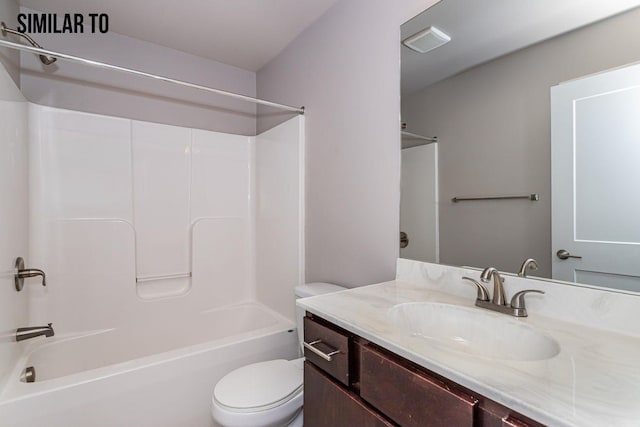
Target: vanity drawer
410, 397
327, 404
328, 349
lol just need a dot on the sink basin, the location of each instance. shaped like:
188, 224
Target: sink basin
473, 331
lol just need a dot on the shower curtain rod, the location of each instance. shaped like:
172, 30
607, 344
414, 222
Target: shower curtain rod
38, 51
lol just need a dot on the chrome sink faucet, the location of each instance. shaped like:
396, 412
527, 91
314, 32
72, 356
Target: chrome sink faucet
517, 306
35, 331
498, 290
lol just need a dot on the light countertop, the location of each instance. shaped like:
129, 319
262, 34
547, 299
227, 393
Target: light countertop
593, 381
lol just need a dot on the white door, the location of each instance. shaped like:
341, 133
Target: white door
595, 162
419, 202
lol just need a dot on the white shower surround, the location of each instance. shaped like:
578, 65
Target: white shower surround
13, 215
93, 230
102, 189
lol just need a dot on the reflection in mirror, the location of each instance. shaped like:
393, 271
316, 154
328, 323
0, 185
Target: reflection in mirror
487, 97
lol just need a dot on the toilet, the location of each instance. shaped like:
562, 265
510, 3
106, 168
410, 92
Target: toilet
266, 394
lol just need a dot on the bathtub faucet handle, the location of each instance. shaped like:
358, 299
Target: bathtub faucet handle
22, 273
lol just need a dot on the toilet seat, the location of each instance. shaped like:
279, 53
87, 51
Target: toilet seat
261, 394
259, 386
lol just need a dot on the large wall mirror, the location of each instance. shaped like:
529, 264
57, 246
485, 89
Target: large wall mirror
532, 111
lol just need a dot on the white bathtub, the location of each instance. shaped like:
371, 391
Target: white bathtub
162, 374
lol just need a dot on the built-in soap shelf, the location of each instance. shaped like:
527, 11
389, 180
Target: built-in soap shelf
163, 288
410, 139
163, 277
410, 135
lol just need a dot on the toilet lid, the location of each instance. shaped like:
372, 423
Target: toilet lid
259, 386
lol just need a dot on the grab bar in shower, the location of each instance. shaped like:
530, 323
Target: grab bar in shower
162, 277
533, 197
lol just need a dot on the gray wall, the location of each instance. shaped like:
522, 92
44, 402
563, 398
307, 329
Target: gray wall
8, 57
83, 88
493, 123
345, 69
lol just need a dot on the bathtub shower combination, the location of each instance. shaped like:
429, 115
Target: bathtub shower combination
170, 254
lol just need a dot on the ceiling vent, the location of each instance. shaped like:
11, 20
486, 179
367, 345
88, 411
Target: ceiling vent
426, 40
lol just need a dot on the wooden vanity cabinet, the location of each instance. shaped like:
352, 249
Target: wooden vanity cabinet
365, 385
410, 397
327, 403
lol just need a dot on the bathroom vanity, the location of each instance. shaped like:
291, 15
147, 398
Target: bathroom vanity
366, 385
416, 352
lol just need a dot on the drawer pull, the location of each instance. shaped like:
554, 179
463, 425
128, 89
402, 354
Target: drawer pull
326, 356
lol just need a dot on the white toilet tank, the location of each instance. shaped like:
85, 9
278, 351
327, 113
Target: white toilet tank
310, 290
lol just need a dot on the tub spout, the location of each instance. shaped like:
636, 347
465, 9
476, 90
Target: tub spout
35, 331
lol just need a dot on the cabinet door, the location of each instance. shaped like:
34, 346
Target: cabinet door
409, 397
326, 404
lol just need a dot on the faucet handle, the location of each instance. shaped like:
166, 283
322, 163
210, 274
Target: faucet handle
21, 273
517, 301
483, 294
